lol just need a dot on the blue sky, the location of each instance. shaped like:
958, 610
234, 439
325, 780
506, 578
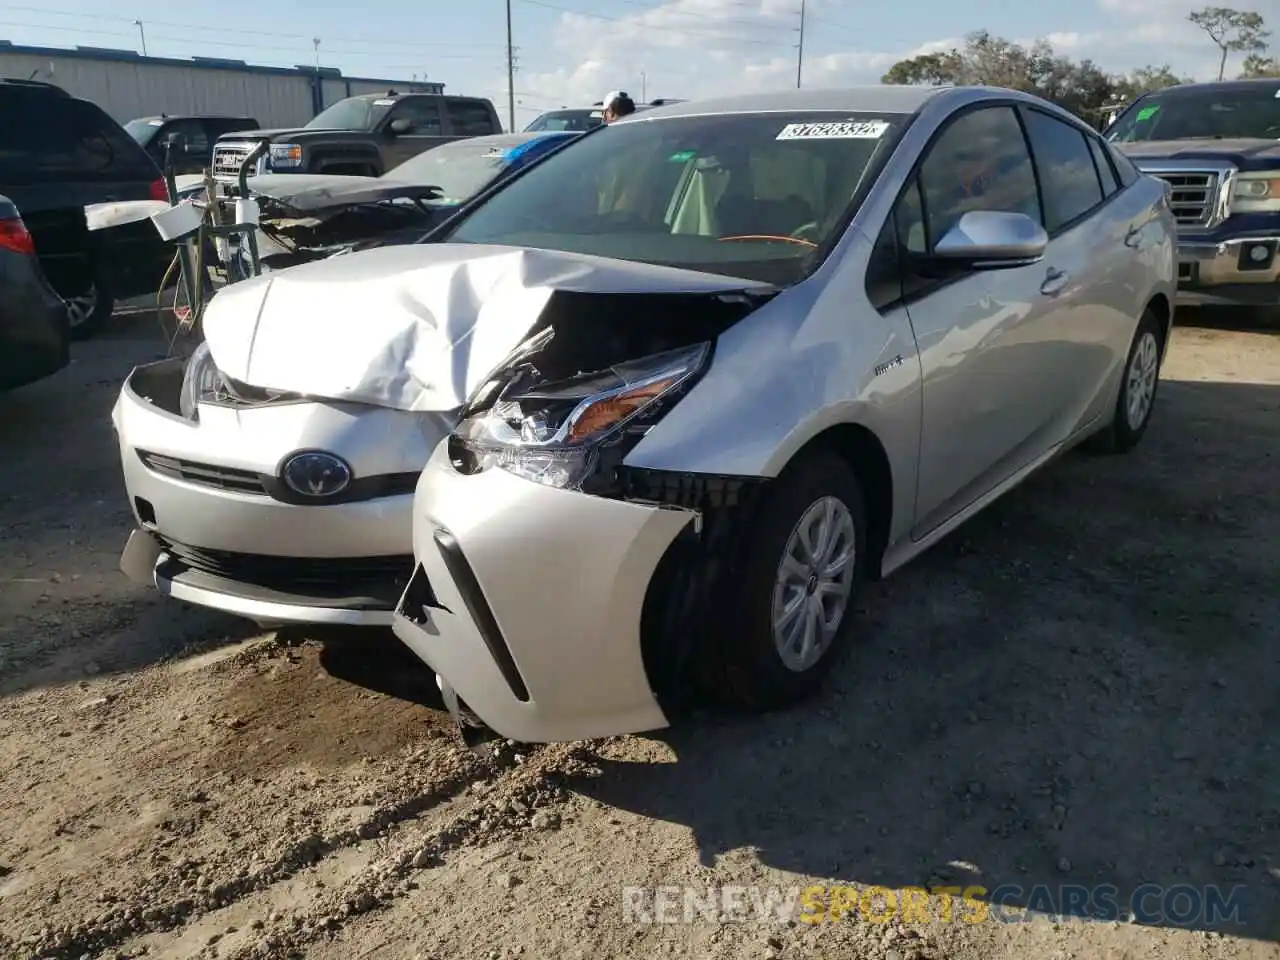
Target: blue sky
573, 51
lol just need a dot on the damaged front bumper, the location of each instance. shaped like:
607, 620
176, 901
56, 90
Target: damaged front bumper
527, 601
214, 525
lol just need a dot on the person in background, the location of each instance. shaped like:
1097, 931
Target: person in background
616, 104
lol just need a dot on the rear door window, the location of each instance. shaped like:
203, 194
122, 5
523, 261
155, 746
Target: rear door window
470, 119
57, 138
1110, 182
1068, 180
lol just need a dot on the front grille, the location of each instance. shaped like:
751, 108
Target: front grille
227, 159
301, 575
204, 474
1194, 196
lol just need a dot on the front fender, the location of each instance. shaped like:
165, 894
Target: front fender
815, 357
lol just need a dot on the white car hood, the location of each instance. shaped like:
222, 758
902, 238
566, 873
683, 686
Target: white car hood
414, 327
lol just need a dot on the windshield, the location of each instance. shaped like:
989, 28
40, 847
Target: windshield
1202, 114
577, 121
356, 113
143, 130
745, 195
460, 169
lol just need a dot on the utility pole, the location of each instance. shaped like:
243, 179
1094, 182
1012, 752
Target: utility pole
644, 82
511, 76
142, 34
800, 48
315, 43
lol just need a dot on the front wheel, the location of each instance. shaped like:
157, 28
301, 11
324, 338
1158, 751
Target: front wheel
1138, 386
793, 606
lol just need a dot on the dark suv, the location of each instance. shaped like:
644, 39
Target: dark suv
186, 142
59, 155
364, 136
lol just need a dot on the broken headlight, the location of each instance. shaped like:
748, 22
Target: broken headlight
201, 380
552, 433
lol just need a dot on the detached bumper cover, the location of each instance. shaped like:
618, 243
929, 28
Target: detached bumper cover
1242, 271
527, 602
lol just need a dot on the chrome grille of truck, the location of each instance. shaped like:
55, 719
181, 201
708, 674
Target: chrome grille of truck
227, 158
1194, 195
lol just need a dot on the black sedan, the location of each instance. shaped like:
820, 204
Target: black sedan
35, 333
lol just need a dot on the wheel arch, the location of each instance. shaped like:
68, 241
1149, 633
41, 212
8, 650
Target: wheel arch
1159, 305
864, 452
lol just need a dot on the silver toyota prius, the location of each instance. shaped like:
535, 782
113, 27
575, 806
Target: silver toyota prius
880, 309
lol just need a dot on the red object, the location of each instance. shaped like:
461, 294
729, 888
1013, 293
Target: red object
14, 236
159, 191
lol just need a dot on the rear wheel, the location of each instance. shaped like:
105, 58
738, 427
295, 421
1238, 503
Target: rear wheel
1138, 386
793, 606
89, 309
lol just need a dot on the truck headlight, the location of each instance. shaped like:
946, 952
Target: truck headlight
201, 380
1256, 193
552, 433
285, 156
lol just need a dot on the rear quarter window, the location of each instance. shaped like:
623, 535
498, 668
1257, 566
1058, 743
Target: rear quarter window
63, 139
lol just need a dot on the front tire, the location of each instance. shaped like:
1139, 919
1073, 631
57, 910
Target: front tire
1138, 386
793, 604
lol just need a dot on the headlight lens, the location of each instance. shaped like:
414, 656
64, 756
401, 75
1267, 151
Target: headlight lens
200, 380
1256, 193
285, 155
552, 432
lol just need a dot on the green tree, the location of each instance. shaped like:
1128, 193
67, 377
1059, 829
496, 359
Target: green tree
992, 61
1257, 66
1232, 31
1148, 78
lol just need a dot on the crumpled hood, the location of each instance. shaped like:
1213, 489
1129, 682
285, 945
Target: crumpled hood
311, 192
413, 327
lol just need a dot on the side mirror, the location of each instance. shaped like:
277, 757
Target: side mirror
400, 126
990, 240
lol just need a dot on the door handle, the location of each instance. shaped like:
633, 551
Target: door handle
1133, 238
1054, 281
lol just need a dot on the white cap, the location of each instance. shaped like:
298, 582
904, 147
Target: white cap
610, 97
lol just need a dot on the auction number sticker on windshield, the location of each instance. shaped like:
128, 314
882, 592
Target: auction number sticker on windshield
1148, 112
835, 130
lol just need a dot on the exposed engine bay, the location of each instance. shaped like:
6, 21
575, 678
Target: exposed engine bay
314, 235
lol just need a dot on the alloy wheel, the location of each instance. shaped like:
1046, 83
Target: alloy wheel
1144, 370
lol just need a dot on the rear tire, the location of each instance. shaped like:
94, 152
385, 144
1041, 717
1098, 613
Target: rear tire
1139, 384
792, 608
89, 310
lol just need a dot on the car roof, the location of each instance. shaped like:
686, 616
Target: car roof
1221, 86
501, 140
882, 98
167, 117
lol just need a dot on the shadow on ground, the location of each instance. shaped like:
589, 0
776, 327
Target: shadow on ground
1077, 688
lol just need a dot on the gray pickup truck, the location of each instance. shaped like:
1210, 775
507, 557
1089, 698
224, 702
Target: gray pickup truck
362, 136
1217, 145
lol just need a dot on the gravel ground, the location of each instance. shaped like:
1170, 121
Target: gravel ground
1074, 689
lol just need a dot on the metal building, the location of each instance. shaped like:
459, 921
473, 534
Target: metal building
127, 85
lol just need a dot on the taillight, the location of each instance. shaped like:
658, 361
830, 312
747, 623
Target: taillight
159, 191
14, 236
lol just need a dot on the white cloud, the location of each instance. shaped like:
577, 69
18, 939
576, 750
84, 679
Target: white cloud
699, 48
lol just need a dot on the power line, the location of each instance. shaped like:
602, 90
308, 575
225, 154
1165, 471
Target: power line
650, 26
239, 45
231, 30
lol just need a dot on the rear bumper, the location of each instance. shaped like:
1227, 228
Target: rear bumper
1244, 271
527, 600
35, 336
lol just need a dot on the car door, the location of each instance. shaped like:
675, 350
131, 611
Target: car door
426, 129
987, 338
191, 148
1094, 243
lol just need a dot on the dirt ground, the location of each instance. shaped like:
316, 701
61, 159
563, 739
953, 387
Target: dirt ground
1077, 689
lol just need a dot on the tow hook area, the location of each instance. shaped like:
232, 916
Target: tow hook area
475, 734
